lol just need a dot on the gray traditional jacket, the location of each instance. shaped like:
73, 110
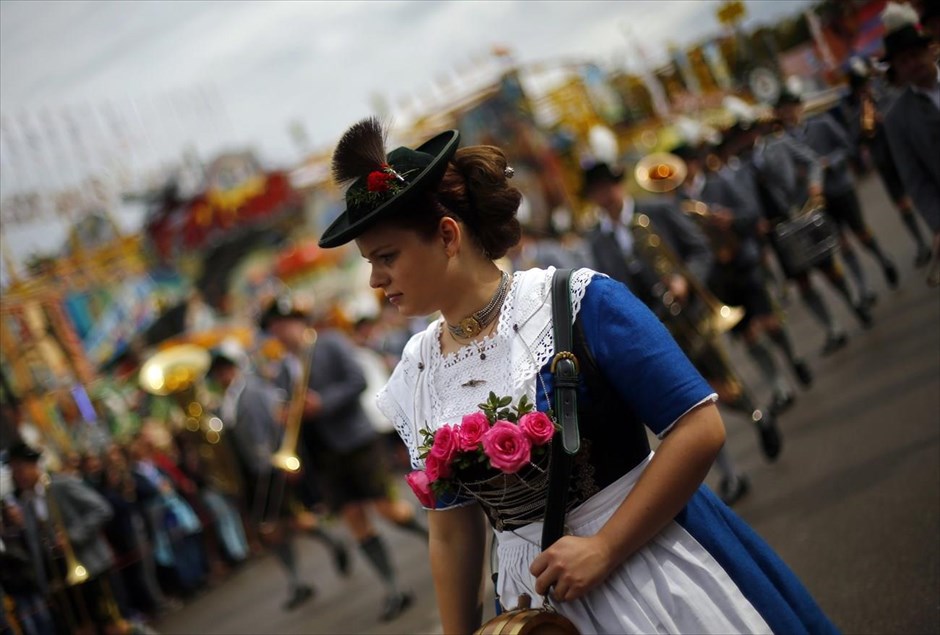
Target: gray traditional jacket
342, 425
84, 513
785, 168
913, 128
824, 136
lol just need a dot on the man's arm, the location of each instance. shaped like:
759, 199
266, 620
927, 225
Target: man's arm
346, 380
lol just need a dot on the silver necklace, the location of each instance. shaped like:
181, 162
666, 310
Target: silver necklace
471, 325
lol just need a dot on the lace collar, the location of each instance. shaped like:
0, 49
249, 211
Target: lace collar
407, 399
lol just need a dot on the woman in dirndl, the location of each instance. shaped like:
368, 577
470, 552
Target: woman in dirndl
647, 548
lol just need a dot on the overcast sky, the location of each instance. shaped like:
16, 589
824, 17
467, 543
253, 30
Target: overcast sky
261, 65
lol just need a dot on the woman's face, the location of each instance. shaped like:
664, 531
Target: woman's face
406, 267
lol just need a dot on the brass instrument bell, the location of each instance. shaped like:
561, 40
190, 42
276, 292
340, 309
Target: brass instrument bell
286, 458
76, 573
660, 172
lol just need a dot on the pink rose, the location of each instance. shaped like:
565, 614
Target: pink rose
507, 446
538, 427
445, 445
471, 430
437, 468
421, 485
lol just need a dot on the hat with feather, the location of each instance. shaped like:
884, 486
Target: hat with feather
382, 186
902, 30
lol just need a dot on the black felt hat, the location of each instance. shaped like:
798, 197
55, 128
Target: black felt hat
382, 186
281, 307
903, 39
23, 451
600, 173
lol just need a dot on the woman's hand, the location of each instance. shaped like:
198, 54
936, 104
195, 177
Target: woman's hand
572, 566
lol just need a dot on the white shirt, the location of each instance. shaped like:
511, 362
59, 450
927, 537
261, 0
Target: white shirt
621, 228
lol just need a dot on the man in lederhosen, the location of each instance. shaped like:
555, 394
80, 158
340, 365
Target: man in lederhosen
824, 136
736, 276
788, 174
863, 112
341, 442
64, 510
614, 251
252, 412
913, 126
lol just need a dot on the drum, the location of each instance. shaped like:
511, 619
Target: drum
805, 241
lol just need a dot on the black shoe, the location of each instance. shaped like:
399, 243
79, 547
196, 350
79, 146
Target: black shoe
803, 373
341, 558
834, 343
863, 313
922, 257
891, 274
300, 595
395, 605
731, 492
781, 403
770, 441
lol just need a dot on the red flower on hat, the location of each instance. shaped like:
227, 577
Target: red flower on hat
379, 181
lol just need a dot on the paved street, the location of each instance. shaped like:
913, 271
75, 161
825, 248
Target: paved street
853, 504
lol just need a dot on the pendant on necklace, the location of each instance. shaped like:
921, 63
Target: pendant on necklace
469, 327
482, 355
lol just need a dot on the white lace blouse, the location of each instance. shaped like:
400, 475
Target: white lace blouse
428, 389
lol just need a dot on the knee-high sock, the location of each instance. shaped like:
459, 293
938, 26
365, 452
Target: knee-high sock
284, 551
820, 311
872, 246
726, 466
855, 267
781, 339
375, 551
768, 368
910, 221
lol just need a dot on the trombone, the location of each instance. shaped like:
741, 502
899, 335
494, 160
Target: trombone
286, 458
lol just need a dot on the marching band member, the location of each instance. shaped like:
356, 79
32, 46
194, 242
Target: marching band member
736, 276
830, 142
779, 161
251, 409
342, 443
66, 509
612, 245
863, 112
913, 122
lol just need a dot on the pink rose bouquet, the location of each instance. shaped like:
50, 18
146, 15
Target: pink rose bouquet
500, 438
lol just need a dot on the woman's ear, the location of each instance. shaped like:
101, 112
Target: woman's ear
450, 236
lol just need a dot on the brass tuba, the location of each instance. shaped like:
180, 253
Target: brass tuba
715, 318
286, 456
662, 172
177, 371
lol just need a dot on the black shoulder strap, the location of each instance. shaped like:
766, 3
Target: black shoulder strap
567, 442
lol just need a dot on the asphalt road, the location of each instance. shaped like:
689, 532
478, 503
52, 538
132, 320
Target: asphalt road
853, 503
